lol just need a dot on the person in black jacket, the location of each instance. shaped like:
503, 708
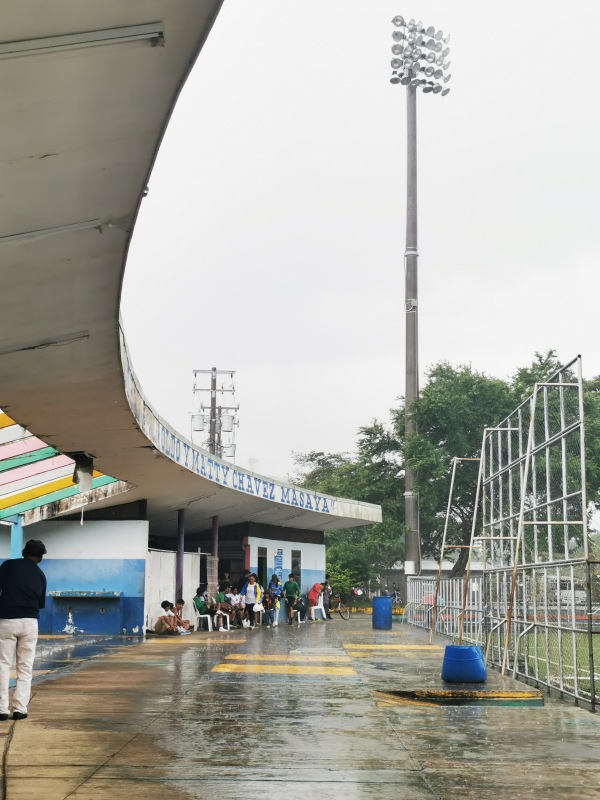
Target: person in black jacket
22, 594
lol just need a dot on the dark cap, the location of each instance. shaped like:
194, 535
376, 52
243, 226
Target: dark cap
34, 548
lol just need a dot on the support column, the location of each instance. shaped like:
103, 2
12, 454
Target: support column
16, 536
215, 536
180, 551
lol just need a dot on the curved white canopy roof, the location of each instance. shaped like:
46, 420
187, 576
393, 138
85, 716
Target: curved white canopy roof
86, 93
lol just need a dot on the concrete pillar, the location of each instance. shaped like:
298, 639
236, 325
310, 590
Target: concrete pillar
215, 536
16, 536
180, 551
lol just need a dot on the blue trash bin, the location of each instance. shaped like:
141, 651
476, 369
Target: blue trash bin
463, 664
382, 613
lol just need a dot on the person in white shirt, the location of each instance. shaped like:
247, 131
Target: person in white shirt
177, 621
237, 603
165, 622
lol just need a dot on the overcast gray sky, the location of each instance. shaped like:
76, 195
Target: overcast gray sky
272, 239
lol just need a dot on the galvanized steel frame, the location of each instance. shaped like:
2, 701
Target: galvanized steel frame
533, 609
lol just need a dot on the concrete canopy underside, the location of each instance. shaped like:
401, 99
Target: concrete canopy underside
79, 131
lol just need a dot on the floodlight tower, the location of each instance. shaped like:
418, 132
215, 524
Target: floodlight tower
419, 62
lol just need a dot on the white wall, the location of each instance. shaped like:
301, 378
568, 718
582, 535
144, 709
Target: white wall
93, 540
160, 583
313, 557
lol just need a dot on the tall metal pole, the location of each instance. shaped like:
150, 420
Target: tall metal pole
412, 556
419, 62
212, 444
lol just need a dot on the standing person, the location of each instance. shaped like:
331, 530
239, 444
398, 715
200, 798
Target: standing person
251, 593
326, 596
22, 594
243, 579
274, 589
291, 592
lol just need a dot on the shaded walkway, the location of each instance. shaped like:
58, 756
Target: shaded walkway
295, 711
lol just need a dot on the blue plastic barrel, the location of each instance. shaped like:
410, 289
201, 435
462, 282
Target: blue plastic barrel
382, 613
463, 663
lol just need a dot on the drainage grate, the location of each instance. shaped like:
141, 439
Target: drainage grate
463, 697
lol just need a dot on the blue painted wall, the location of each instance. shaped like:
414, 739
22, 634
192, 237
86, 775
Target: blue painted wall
94, 615
100, 556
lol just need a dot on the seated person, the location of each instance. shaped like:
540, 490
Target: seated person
301, 607
234, 598
184, 623
222, 604
201, 601
166, 623
315, 593
179, 627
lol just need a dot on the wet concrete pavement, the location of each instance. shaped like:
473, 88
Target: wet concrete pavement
55, 653
293, 711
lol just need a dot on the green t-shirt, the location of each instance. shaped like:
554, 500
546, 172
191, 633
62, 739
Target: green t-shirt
220, 598
200, 605
291, 589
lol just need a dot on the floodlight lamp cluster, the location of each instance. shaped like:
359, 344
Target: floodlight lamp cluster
420, 55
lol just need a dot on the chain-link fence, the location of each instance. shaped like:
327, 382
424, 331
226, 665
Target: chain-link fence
444, 617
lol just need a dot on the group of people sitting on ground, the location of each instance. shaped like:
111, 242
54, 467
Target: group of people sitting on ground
171, 621
244, 604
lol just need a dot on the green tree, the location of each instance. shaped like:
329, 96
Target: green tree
454, 407
373, 475
456, 404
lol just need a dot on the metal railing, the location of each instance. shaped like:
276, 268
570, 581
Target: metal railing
536, 609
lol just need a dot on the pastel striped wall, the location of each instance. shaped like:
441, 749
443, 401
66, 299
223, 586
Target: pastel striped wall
32, 474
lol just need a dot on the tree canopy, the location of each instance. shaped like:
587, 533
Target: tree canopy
454, 406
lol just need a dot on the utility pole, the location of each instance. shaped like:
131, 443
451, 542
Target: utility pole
215, 446
212, 441
220, 418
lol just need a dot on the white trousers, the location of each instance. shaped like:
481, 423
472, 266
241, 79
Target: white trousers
18, 638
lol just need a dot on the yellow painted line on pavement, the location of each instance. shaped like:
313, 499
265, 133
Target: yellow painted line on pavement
392, 647
283, 669
286, 658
